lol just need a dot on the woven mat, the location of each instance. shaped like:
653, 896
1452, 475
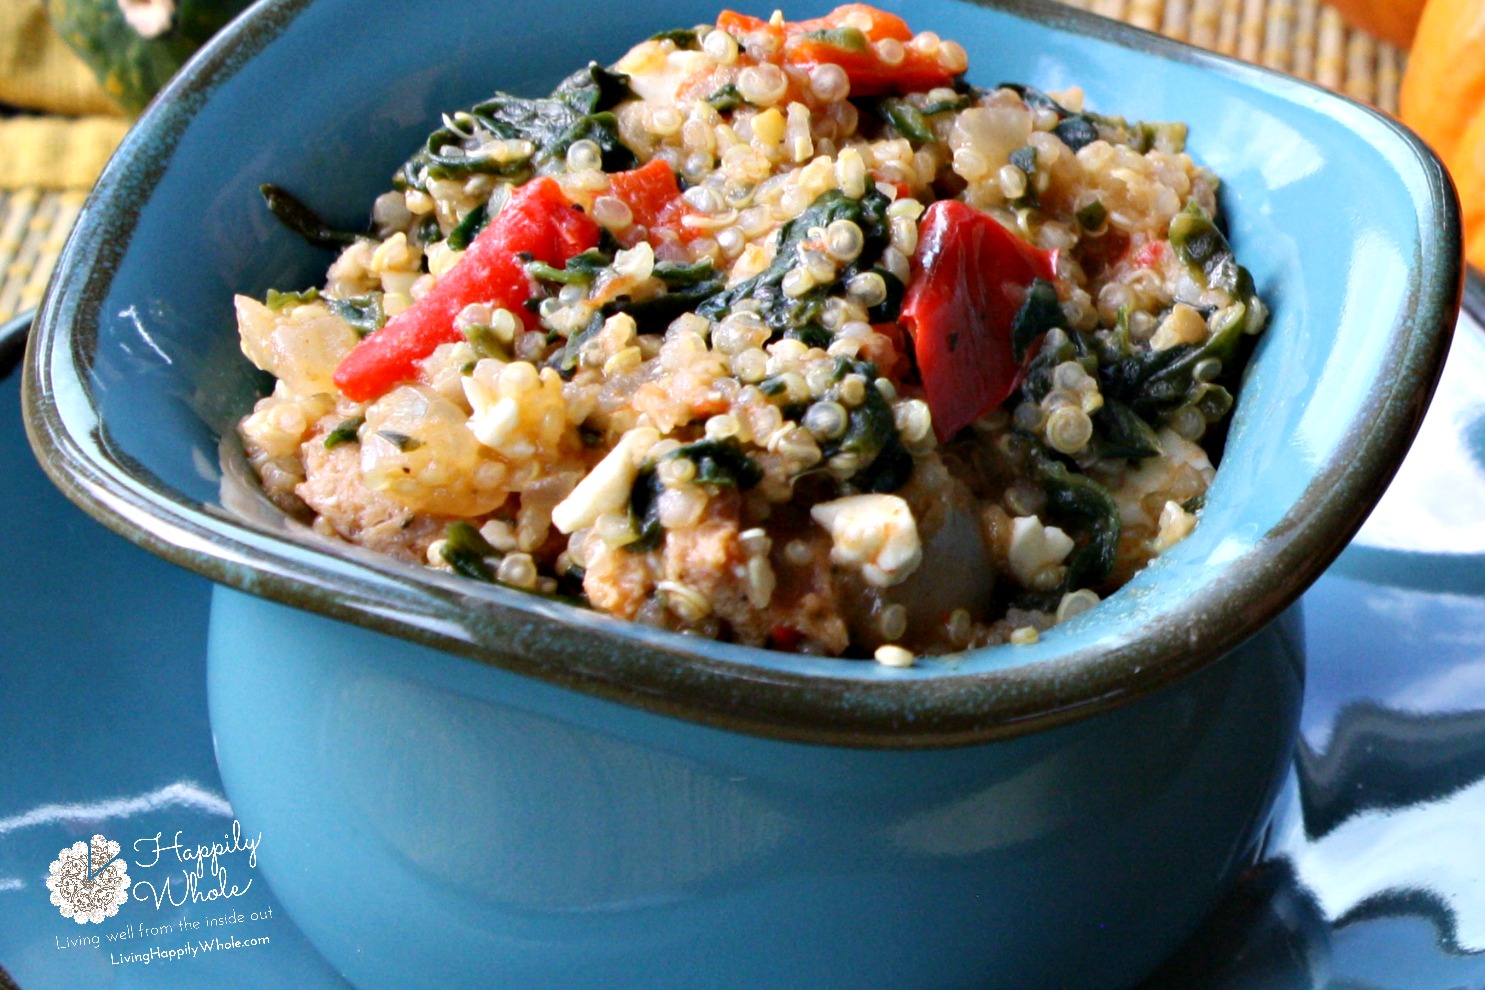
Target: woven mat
1304, 37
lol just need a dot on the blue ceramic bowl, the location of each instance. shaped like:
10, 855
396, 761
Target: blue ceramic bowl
458, 784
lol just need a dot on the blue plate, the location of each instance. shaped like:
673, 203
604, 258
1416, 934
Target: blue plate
1374, 875
103, 700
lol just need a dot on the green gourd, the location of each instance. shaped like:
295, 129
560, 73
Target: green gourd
135, 46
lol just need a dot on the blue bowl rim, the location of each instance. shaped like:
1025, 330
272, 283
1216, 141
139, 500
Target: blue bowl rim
660, 671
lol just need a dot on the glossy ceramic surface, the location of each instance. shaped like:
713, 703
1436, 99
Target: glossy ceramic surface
1381, 891
523, 834
1362, 301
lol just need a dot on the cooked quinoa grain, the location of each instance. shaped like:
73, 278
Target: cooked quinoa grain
782, 334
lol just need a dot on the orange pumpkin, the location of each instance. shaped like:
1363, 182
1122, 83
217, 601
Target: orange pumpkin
1393, 21
1443, 99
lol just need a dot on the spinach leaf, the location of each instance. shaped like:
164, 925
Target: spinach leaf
292, 213
686, 286
1154, 382
782, 312
349, 431
845, 38
653, 315
676, 275
579, 108
485, 344
960, 102
871, 435
566, 275
683, 38
580, 269
811, 334
1080, 505
1024, 158
427, 231
909, 121
401, 441
1039, 312
1036, 99
1199, 243
469, 228
1092, 216
1122, 432
277, 300
593, 89
1075, 129
566, 359
890, 308
644, 510
1058, 346
722, 463
363, 313
1079, 129
465, 550
570, 584
727, 98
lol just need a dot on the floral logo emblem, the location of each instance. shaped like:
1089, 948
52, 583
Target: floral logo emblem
89, 880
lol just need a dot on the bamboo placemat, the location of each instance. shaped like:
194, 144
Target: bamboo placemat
1303, 37
33, 226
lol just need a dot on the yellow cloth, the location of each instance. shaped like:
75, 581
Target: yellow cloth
66, 148
37, 69
56, 152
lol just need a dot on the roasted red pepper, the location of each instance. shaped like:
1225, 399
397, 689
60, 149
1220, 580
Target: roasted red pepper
654, 198
876, 24
971, 276
739, 25
538, 222
848, 36
870, 75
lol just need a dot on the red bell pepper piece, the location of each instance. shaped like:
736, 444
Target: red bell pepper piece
847, 37
647, 190
877, 25
538, 221
654, 198
739, 25
972, 277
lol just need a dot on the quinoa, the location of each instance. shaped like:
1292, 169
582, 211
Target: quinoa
738, 410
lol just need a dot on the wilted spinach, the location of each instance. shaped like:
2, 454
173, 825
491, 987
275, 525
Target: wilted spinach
465, 550
292, 213
469, 228
579, 108
1080, 505
870, 435
276, 300
348, 431
1154, 382
721, 462
794, 316
644, 510
1039, 312
363, 313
